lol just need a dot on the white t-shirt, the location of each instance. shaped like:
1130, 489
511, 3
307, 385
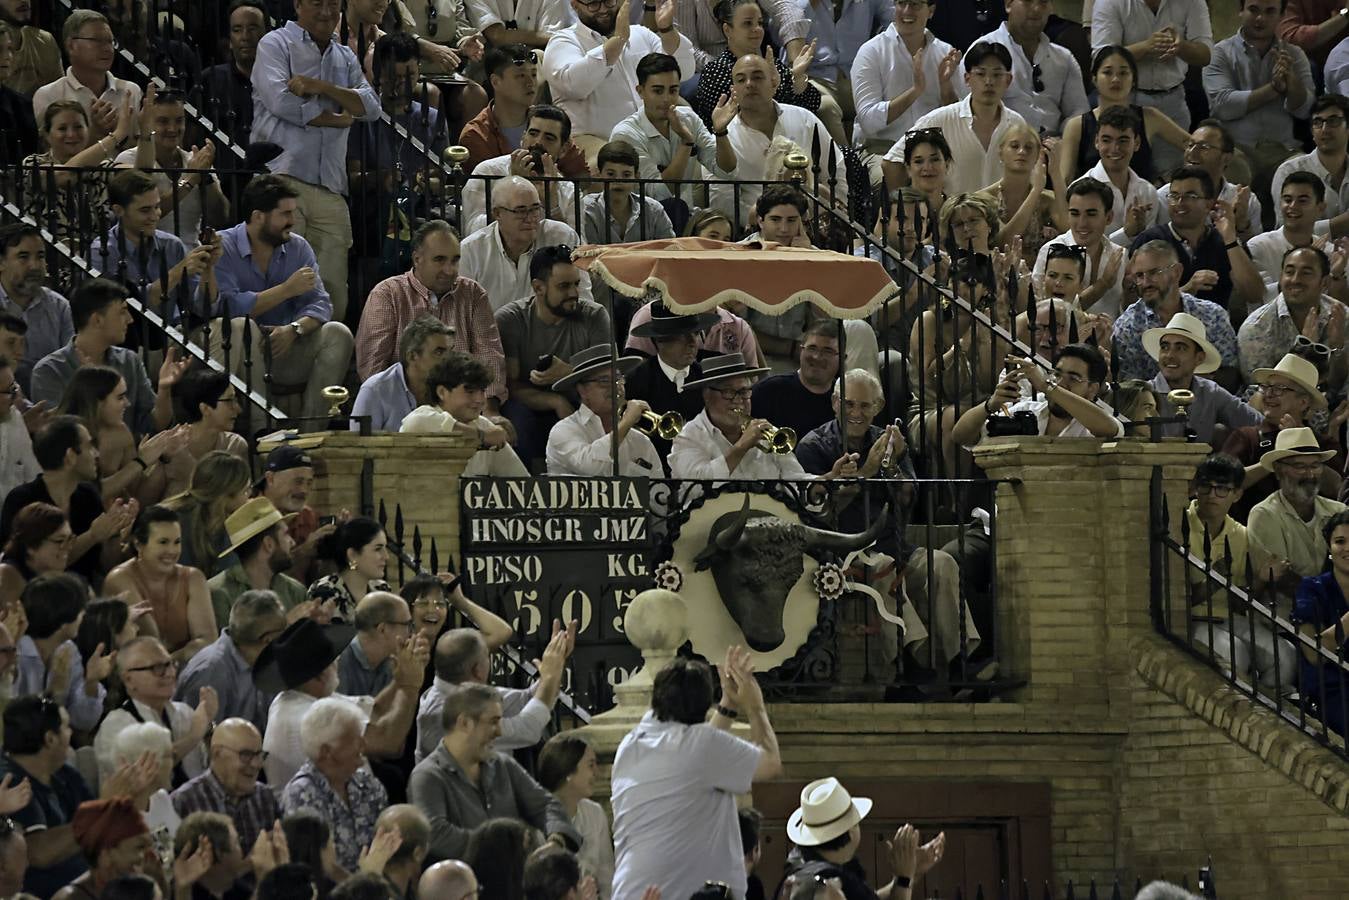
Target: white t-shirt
673, 794
282, 740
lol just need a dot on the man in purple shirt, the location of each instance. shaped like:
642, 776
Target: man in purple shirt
271, 276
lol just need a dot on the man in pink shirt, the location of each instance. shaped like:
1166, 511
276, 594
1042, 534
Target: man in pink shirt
731, 334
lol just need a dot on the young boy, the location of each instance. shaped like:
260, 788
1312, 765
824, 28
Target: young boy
617, 215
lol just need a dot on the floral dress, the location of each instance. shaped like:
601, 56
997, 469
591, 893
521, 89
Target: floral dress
332, 587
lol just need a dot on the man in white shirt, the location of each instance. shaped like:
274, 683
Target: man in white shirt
1136, 204
1165, 40
1046, 79
1090, 209
1329, 161
497, 257
1211, 148
973, 127
528, 22
760, 120
900, 75
18, 465
89, 44
456, 393
547, 130
591, 67
582, 443
1302, 204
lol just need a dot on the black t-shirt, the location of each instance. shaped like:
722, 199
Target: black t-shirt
86, 505
785, 401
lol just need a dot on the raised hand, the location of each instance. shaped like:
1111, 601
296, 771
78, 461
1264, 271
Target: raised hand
623, 23
61, 669
36, 417
147, 111
208, 704
920, 71
374, 858
1335, 327
100, 663
14, 797
801, 65
472, 47
903, 849
193, 863
665, 13
132, 779
930, 854
947, 67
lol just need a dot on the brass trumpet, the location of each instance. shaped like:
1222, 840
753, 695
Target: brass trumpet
667, 425
773, 439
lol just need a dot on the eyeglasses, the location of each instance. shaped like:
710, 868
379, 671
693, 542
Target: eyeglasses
1330, 122
8, 650
1307, 468
593, 5
406, 623
1188, 196
437, 604
1153, 274
741, 394
1068, 377
112, 42
12, 390
249, 757
918, 135
1067, 251
1218, 490
1037, 78
1275, 391
522, 212
826, 352
159, 669
1201, 146
1304, 344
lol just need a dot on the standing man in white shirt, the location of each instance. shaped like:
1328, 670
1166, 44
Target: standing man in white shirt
591, 67
582, 443
973, 127
1329, 161
1046, 79
90, 47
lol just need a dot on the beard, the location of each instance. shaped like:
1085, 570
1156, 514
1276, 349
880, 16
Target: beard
1302, 490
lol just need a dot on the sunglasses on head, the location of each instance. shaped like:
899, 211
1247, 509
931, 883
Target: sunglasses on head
1304, 344
1067, 251
919, 134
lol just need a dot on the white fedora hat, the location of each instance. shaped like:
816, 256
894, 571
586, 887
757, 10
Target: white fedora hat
1299, 442
1186, 326
827, 811
1300, 371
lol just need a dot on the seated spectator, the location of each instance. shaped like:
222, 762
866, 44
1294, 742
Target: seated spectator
44, 314
107, 623
498, 850
1337, 61
287, 480
1329, 113
539, 334
301, 666
583, 442
464, 777
176, 596
39, 542
1322, 615
1183, 352
671, 141
389, 396
88, 41
1214, 265
1026, 209
599, 89
1300, 310
262, 545
567, 767
335, 780
432, 288
69, 464
1135, 207
414, 832
659, 380
546, 133
146, 743
1156, 271
1287, 525
115, 841
826, 829
226, 666
728, 333
195, 198
456, 391
383, 625
223, 870
13, 345
37, 56
620, 214
37, 747
219, 487
800, 400
1302, 203
101, 318
360, 551
309, 841
463, 656
207, 403
751, 824
513, 75
500, 256
230, 785
227, 88
1210, 147
448, 878
270, 274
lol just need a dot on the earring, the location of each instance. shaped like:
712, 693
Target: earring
352, 565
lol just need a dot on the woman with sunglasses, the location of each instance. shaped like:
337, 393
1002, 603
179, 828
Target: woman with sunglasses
1026, 209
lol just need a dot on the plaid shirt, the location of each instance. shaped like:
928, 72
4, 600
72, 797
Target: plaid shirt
251, 815
396, 301
1134, 361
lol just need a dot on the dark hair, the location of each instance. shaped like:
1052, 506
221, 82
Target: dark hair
1335, 102
263, 194
249, 4
93, 296
365, 885
620, 152
1310, 180
103, 621
28, 720
1097, 370
683, 691
1335, 521
496, 851
545, 258
550, 873
87, 388
149, 517
779, 195
288, 881
419, 586
11, 322
498, 59
552, 113
834, 843
981, 51
1086, 186
430, 227
1069, 251
11, 234
198, 386
1219, 468
352, 534
307, 833
1317, 251
1121, 118
52, 601
751, 823
454, 369
127, 185
1098, 59
1228, 144
51, 444
724, 11
31, 526
250, 547
1194, 173
393, 47
933, 136
130, 887
559, 758
655, 64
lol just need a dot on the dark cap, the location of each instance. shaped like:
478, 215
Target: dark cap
288, 457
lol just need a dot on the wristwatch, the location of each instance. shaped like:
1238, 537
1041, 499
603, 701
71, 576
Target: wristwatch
299, 333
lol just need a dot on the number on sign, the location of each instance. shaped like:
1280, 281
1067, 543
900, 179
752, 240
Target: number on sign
622, 599
616, 675
527, 611
570, 612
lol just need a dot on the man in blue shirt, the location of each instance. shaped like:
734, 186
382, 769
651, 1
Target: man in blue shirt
308, 90
23, 272
270, 275
389, 396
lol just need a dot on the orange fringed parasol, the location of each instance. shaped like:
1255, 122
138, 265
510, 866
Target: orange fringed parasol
694, 274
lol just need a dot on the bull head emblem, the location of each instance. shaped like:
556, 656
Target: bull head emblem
756, 560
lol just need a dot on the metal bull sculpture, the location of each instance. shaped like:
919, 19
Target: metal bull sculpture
756, 559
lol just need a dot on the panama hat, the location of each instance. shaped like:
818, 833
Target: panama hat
1300, 371
1300, 442
251, 520
1186, 326
666, 323
827, 810
300, 653
717, 369
596, 359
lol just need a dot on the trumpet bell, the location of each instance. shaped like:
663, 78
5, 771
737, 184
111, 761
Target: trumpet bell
667, 425
778, 440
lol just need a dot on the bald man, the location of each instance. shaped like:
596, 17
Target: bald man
230, 785
383, 625
406, 864
451, 879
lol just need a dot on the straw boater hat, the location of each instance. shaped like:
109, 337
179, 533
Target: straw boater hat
1299, 442
299, 653
1186, 326
1300, 371
717, 369
251, 520
596, 359
827, 810
666, 323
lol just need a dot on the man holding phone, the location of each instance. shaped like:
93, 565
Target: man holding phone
544, 140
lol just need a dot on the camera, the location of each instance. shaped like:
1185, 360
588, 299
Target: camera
1022, 422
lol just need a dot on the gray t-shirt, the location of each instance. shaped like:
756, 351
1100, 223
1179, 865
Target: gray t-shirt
525, 337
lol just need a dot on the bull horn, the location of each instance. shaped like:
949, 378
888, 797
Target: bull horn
838, 542
729, 535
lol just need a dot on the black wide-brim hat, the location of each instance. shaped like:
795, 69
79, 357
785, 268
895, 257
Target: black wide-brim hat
666, 323
717, 369
300, 653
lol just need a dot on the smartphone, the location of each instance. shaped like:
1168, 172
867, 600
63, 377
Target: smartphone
536, 152
207, 234
544, 363
327, 520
